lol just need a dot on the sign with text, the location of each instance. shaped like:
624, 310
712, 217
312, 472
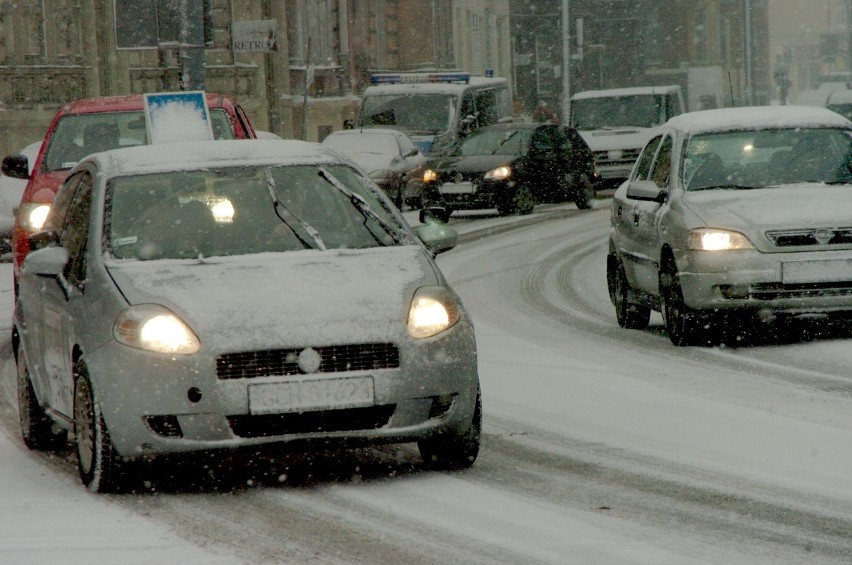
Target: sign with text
177, 116
260, 36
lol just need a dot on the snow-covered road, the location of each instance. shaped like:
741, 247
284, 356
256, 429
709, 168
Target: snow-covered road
601, 445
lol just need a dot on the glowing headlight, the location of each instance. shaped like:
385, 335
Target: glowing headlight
429, 175
32, 215
433, 310
154, 328
707, 239
499, 173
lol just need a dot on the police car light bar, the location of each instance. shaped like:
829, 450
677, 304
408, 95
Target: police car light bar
401, 78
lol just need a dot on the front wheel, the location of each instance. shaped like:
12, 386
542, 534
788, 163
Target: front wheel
37, 429
521, 203
454, 451
97, 459
685, 325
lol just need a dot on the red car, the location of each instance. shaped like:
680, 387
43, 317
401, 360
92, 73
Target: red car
88, 126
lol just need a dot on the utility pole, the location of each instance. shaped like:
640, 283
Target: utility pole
749, 64
566, 62
191, 50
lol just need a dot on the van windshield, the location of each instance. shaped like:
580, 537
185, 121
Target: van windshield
412, 113
642, 110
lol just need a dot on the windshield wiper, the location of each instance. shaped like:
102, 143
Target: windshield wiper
725, 187
504, 141
362, 205
284, 213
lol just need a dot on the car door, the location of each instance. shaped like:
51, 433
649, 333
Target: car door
646, 225
546, 163
62, 298
626, 215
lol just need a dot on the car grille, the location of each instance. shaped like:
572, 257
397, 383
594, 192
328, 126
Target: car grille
627, 156
351, 419
334, 359
778, 291
806, 237
456, 177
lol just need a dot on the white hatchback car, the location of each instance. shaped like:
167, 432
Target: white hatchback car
386, 155
222, 294
735, 215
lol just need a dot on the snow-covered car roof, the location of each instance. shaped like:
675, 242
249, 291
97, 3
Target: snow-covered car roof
433, 87
631, 91
221, 153
840, 96
757, 117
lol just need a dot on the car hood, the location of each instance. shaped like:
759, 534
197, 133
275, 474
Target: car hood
265, 300
374, 161
617, 138
474, 163
796, 206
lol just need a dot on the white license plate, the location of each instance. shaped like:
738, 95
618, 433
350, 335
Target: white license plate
829, 270
314, 394
458, 188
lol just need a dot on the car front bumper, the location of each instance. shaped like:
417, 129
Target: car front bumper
161, 404
774, 283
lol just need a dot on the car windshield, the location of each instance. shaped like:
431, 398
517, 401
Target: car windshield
420, 113
495, 142
244, 210
79, 135
771, 157
642, 110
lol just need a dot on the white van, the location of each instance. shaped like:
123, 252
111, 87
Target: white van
617, 123
840, 101
436, 108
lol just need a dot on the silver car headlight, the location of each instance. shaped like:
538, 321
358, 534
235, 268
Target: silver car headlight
709, 239
433, 310
154, 328
500, 173
32, 215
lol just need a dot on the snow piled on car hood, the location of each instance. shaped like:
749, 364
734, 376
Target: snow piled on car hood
795, 206
316, 297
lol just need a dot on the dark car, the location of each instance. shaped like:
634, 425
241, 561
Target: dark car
511, 167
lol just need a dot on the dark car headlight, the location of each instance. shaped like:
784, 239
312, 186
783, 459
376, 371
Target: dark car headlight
155, 328
433, 309
500, 173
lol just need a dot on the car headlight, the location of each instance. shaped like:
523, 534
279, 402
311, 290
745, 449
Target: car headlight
429, 175
154, 328
32, 215
500, 173
708, 239
433, 310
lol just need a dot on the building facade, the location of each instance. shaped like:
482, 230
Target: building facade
301, 83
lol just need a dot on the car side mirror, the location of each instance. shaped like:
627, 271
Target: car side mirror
411, 153
47, 261
16, 167
646, 190
437, 237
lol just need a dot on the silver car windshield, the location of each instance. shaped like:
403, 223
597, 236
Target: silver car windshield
244, 210
765, 158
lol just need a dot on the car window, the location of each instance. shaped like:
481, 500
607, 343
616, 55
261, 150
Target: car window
644, 163
230, 211
75, 228
661, 168
78, 135
495, 142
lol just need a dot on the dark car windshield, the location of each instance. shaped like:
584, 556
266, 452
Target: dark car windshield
498, 141
79, 135
641, 110
412, 113
245, 210
769, 157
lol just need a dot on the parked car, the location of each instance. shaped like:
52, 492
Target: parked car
88, 126
11, 190
386, 155
511, 167
733, 215
151, 317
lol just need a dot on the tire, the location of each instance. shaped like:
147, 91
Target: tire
454, 451
630, 315
521, 203
584, 193
37, 429
97, 460
684, 325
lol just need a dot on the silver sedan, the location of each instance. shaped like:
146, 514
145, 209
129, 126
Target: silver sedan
735, 216
224, 294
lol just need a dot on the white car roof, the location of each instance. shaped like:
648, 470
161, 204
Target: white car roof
366, 131
633, 91
840, 96
757, 117
221, 153
433, 87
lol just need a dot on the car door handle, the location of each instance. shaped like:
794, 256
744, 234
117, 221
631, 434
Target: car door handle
635, 218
